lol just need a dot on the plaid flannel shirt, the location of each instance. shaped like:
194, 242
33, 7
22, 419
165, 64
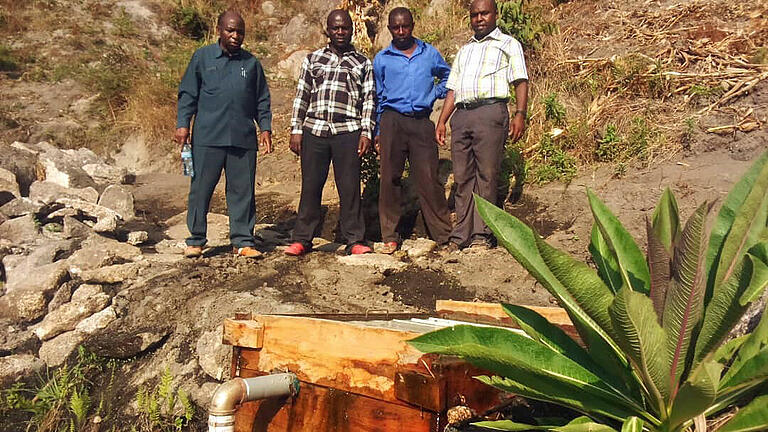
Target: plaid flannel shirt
483, 69
335, 94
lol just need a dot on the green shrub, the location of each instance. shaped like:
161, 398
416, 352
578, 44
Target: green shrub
554, 111
164, 408
190, 22
655, 355
525, 25
8, 61
608, 147
555, 164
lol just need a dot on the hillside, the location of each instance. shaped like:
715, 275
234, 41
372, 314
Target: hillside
626, 99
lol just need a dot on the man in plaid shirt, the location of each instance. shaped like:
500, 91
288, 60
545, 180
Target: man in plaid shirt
333, 120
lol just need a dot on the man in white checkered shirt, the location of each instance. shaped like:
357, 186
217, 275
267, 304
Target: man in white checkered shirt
333, 120
478, 93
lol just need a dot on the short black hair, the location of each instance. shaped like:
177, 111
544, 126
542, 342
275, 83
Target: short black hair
400, 10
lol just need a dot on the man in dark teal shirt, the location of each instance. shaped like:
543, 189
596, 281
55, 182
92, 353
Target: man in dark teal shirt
225, 90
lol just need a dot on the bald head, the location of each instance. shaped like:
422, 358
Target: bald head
227, 15
491, 3
231, 29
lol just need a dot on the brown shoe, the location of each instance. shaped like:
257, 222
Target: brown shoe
193, 251
247, 251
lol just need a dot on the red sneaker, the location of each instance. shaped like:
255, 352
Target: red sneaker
359, 249
295, 249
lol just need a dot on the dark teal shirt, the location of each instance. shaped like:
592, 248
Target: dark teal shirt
225, 95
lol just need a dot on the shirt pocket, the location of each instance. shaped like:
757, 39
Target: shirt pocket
318, 73
353, 78
211, 80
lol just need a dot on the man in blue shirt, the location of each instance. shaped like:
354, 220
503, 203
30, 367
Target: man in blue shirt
225, 90
405, 73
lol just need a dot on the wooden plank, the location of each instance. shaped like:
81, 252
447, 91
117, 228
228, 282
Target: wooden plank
322, 409
346, 356
243, 333
423, 390
493, 311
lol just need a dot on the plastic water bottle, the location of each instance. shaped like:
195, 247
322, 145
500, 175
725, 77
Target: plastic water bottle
186, 160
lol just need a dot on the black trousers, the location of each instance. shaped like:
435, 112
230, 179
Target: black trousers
239, 166
477, 148
317, 153
406, 138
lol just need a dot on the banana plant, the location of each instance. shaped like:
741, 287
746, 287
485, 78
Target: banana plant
654, 353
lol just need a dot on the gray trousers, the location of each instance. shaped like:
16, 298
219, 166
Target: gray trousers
239, 166
477, 148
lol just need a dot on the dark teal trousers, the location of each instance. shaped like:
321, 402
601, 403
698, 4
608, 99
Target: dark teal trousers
239, 165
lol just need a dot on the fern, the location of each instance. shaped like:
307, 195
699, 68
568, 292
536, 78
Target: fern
189, 408
79, 404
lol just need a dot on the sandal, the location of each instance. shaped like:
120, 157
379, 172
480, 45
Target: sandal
296, 249
390, 247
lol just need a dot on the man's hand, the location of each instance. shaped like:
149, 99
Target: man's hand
517, 127
295, 144
363, 145
376, 144
265, 142
440, 134
181, 136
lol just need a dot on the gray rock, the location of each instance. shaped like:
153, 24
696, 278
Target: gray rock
18, 341
18, 368
48, 192
105, 224
437, 7
21, 207
120, 199
113, 274
9, 187
74, 229
419, 247
290, 67
20, 231
298, 31
137, 237
21, 163
83, 156
65, 168
23, 305
97, 251
62, 295
91, 209
268, 8
86, 300
213, 356
98, 321
379, 262
56, 351
21, 270
102, 173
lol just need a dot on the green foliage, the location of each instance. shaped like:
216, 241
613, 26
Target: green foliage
190, 22
164, 408
369, 175
8, 60
515, 18
556, 163
554, 111
608, 147
124, 26
652, 327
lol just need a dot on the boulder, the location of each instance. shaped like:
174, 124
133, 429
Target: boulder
137, 237
102, 173
23, 305
74, 229
21, 230
65, 168
91, 209
419, 247
298, 31
290, 67
9, 187
23, 271
17, 341
18, 368
97, 251
21, 163
213, 356
62, 295
98, 321
21, 207
56, 351
113, 274
268, 8
379, 262
106, 225
48, 192
86, 300
83, 156
119, 199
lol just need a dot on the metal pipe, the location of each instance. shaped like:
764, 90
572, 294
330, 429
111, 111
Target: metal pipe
221, 414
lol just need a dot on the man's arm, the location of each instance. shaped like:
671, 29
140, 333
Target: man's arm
368, 120
263, 110
189, 92
517, 125
378, 74
441, 71
300, 106
448, 108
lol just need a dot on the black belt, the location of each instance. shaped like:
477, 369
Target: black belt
412, 114
477, 103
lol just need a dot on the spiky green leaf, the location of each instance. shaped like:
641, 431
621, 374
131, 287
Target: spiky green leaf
666, 220
605, 260
750, 188
642, 338
696, 394
584, 424
685, 299
725, 353
632, 424
752, 344
631, 261
753, 371
659, 266
758, 282
752, 418
508, 425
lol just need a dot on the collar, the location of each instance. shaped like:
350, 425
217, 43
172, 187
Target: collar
419, 48
495, 34
345, 53
221, 53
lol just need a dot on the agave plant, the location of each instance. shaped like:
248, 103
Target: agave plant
654, 354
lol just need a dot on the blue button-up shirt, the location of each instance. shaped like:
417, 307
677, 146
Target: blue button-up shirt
408, 84
225, 94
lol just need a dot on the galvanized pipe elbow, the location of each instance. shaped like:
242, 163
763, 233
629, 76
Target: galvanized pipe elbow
221, 414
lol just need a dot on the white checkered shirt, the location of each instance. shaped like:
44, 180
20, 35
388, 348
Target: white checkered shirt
484, 69
335, 94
